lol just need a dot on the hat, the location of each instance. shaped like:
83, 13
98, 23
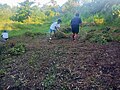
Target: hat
59, 20
5, 30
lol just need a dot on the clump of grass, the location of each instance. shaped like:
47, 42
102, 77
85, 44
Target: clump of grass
63, 32
98, 38
2, 49
116, 37
48, 81
2, 73
102, 36
30, 34
116, 31
18, 49
60, 35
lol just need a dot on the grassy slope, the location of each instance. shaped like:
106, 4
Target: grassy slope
17, 29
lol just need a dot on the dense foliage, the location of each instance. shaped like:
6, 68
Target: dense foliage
23, 12
108, 10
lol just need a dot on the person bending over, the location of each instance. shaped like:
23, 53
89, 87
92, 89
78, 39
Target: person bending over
54, 27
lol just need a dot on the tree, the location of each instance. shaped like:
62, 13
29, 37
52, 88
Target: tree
5, 12
23, 12
116, 10
37, 15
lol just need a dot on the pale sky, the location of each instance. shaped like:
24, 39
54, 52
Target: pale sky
15, 2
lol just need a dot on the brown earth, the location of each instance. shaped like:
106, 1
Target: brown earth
61, 64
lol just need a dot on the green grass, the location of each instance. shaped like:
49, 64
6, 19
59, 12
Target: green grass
19, 28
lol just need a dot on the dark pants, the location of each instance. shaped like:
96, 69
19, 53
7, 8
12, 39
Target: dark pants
75, 29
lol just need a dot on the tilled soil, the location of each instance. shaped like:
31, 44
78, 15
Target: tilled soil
62, 64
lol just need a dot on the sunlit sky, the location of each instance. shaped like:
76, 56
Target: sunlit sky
15, 2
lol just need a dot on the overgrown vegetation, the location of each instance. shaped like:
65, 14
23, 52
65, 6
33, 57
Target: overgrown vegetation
18, 49
102, 36
29, 62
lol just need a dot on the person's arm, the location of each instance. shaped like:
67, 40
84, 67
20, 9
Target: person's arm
71, 22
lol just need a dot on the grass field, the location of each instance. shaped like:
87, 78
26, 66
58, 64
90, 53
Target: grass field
16, 29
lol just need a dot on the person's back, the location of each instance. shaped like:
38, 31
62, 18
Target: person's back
5, 35
76, 21
53, 25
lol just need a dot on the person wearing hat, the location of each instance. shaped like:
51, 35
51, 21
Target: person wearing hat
54, 27
75, 22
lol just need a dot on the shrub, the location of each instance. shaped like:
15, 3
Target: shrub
101, 36
63, 32
99, 21
2, 49
117, 31
66, 29
98, 38
116, 38
18, 49
60, 35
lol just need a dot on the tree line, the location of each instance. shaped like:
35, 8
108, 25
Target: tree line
90, 10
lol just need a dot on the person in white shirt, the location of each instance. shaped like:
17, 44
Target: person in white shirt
54, 27
4, 35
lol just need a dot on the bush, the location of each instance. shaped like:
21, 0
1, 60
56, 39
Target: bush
116, 38
66, 29
117, 31
102, 36
116, 22
60, 35
2, 49
18, 49
63, 32
98, 38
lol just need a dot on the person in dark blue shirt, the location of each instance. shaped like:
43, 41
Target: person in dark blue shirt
75, 22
